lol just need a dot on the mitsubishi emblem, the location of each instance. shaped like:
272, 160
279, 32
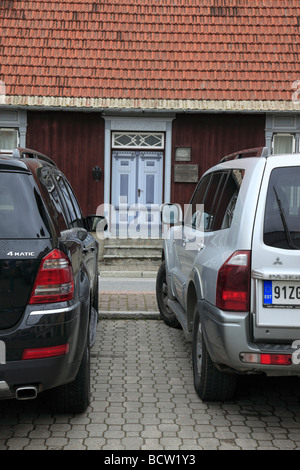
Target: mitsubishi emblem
277, 261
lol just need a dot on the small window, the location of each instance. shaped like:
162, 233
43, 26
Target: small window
283, 143
9, 139
141, 140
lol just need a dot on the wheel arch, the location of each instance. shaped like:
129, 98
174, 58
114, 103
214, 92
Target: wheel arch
194, 294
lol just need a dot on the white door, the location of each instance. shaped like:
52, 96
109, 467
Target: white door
136, 193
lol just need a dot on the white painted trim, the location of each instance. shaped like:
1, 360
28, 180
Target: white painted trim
14, 119
138, 124
102, 104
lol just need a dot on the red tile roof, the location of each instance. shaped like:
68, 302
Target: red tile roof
189, 54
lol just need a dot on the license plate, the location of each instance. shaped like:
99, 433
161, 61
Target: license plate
282, 293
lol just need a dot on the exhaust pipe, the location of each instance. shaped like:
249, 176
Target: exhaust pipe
26, 392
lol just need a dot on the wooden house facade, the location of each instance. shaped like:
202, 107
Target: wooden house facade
135, 101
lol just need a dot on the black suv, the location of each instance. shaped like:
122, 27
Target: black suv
48, 284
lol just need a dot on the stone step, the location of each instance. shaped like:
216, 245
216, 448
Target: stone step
131, 252
128, 252
134, 242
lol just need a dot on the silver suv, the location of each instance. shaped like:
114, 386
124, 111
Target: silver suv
230, 272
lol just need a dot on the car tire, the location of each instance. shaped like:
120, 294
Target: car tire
74, 397
166, 313
210, 383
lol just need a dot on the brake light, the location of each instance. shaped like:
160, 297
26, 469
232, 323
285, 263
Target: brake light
276, 359
54, 281
233, 286
267, 359
42, 353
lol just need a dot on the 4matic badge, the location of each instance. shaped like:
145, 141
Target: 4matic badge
20, 254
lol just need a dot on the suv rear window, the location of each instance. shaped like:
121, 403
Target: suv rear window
22, 212
282, 214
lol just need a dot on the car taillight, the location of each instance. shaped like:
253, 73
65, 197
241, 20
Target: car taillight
233, 287
42, 353
54, 281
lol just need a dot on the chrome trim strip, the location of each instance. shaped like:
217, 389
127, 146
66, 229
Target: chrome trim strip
54, 311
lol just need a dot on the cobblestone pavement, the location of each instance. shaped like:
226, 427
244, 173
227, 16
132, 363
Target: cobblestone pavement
112, 305
143, 398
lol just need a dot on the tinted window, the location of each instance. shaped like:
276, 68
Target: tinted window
227, 199
56, 208
72, 206
217, 193
282, 214
22, 211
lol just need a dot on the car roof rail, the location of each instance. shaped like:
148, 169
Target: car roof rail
20, 153
254, 152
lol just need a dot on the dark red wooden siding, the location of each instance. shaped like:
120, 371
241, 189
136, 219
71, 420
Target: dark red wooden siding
211, 137
75, 141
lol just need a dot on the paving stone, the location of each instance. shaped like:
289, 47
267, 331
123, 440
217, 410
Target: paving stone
143, 399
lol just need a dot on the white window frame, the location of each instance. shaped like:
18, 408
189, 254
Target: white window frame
283, 134
14, 130
142, 137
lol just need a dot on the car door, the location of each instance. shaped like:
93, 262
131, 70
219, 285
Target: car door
205, 232
88, 249
188, 239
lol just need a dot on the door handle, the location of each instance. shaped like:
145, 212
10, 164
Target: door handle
139, 192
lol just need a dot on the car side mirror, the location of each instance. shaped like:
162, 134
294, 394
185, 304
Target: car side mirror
96, 223
171, 214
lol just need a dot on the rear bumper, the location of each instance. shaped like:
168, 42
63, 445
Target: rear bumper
227, 337
41, 374
56, 326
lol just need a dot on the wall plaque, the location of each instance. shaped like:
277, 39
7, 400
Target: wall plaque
183, 154
185, 173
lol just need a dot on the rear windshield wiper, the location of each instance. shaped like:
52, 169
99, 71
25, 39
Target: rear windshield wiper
284, 223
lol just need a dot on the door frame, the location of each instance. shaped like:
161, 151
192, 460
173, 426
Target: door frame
140, 218
137, 124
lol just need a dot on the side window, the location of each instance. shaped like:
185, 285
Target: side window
195, 208
72, 206
55, 201
227, 199
214, 201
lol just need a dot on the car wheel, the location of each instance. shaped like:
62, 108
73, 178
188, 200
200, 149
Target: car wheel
166, 313
74, 397
210, 383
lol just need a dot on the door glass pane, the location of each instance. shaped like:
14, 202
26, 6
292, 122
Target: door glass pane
149, 189
123, 185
